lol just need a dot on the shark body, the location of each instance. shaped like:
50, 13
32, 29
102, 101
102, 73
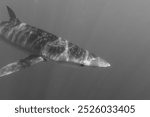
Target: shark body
42, 46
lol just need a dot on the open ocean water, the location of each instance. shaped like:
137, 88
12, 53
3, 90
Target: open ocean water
116, 30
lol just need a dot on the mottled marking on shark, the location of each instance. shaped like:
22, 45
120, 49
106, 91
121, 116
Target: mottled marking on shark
42, 46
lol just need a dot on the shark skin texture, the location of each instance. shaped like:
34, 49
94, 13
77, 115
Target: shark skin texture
42, 46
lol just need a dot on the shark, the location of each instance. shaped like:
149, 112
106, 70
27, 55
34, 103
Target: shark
42, 46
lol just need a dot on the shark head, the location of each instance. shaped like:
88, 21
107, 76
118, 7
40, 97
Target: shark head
94, 61
99, 62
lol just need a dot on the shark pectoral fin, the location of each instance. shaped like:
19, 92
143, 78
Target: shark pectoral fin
19, 65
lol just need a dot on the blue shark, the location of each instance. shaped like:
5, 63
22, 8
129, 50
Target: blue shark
42, 47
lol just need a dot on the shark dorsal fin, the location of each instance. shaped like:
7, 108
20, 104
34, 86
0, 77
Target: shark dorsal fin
12, 15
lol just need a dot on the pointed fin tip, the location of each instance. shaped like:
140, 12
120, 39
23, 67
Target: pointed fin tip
12, 14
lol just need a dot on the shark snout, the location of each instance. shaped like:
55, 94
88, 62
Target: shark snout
99, 62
